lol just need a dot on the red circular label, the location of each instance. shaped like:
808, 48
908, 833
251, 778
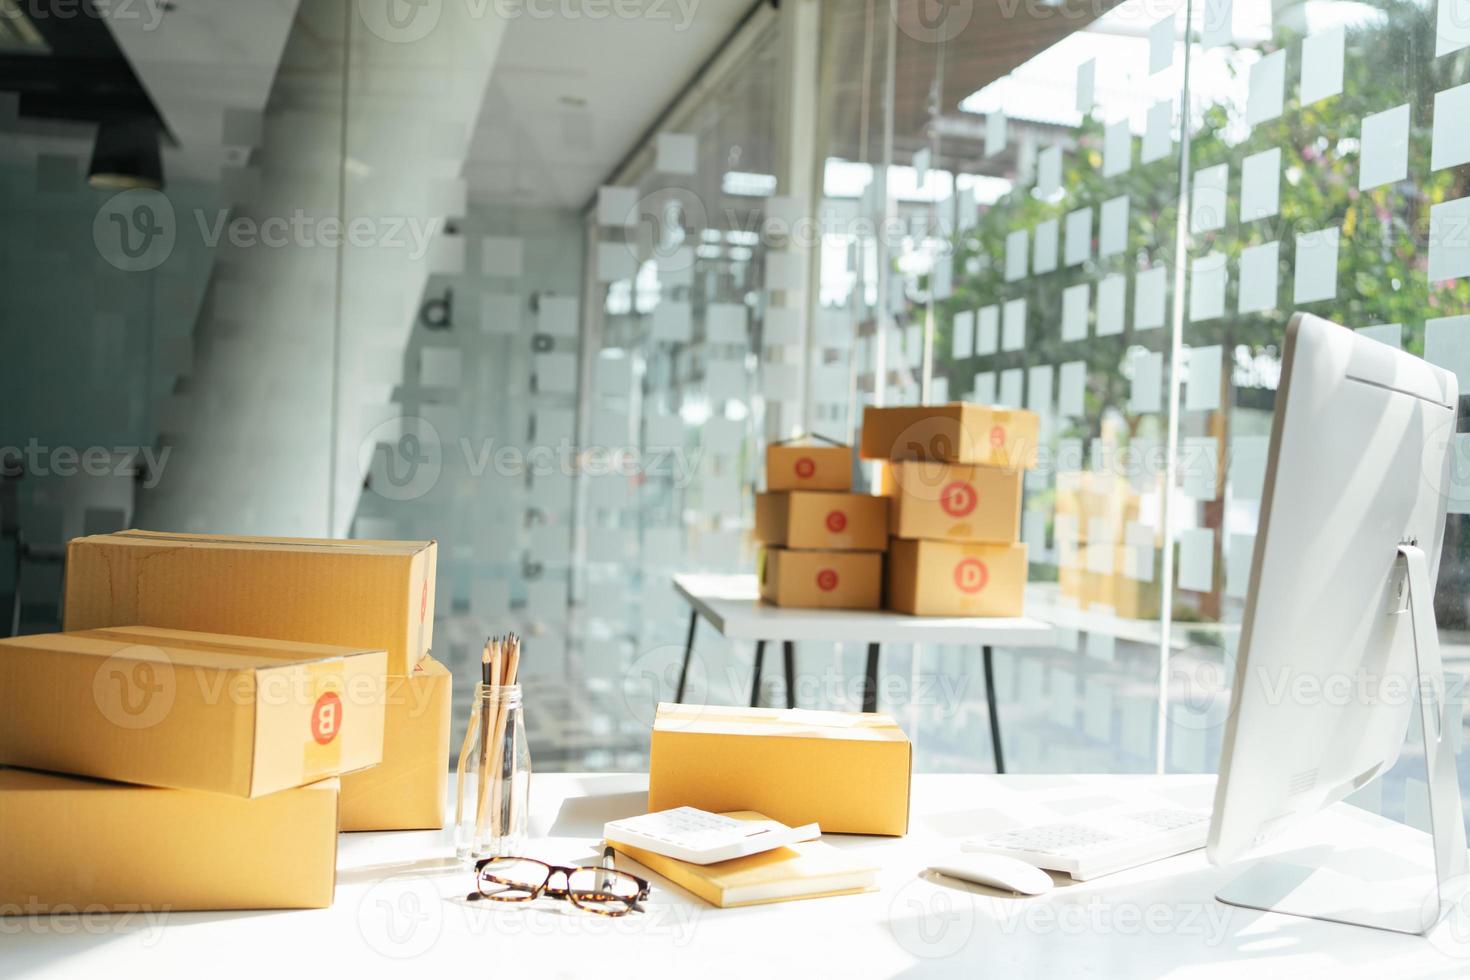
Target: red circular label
805, 467
998, 436
836, 522
827, 580
326, 717
970, 575
957, 499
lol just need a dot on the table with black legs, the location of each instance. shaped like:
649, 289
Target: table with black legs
731, 604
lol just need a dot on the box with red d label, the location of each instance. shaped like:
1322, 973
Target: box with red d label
155, 707
951, 578
830, 521
822, 579
799, 466
953, 502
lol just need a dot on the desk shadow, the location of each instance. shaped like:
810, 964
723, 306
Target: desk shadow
372, 873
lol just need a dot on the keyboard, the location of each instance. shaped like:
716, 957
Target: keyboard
1102, 845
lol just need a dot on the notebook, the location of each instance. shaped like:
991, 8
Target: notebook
810, 869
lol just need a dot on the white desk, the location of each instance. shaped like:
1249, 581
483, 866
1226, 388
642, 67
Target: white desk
399, 912
732, 605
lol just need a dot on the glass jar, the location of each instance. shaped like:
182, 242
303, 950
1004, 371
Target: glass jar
493, 779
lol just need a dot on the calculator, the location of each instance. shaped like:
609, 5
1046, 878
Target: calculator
700, 837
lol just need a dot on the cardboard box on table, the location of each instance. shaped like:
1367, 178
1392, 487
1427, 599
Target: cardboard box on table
958, 432
377, 594
955, 502
822, 521
406, 790
226, 714
808, 466
847, 772
80, 845
952, 578
821, 579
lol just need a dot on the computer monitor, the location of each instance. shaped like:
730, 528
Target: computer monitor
1339, 615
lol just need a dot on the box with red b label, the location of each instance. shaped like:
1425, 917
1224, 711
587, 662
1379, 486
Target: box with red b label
951, 578
947, 501
808, 466
205, 711
821, 579
959, 432
830, 521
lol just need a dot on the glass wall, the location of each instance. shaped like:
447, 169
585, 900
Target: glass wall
1051, 252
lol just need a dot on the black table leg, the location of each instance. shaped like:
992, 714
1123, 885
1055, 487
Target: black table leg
1000, 763
788, 651
755, 676
870, 680
688, 652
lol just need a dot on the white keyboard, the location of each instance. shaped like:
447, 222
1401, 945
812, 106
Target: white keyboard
700, 837
1102, 845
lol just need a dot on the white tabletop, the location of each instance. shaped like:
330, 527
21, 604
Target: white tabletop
732, 605
399, 911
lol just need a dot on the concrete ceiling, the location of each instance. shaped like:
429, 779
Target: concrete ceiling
570, 95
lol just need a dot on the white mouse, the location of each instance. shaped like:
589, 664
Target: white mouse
997, 871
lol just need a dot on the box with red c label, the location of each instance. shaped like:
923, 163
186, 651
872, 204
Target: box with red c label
798, 466
830, 521
822, 579
949, 501
952, 578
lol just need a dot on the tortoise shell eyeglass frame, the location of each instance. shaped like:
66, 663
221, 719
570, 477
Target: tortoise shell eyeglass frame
524, 891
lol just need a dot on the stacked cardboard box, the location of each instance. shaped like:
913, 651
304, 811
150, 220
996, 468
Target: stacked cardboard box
218, 702
1097, 564
952, 475
822, 544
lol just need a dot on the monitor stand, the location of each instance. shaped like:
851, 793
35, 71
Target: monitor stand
1358, 886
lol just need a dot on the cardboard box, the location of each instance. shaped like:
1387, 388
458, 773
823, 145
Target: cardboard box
800, 466
83, 845
951, 578
828, 521
227, 714
406, 790
955, 433
822, 579
366, 594
954, 502
848, 772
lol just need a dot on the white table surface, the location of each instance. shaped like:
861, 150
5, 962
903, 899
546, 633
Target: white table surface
732, 605
399, 911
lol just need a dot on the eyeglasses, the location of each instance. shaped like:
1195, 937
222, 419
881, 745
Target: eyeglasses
604, 890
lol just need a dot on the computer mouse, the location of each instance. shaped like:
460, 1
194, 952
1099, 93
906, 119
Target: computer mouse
997, 871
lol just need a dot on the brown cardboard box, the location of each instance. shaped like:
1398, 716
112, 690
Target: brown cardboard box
830, 521
82, 845
949, 501
847, 772
377, 594
951, 578
822, 579
955, 433
228, 714
799, 466
406, 790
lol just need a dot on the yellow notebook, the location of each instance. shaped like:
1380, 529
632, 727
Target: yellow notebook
806, 870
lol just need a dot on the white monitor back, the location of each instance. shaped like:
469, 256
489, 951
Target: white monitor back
1359, 462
